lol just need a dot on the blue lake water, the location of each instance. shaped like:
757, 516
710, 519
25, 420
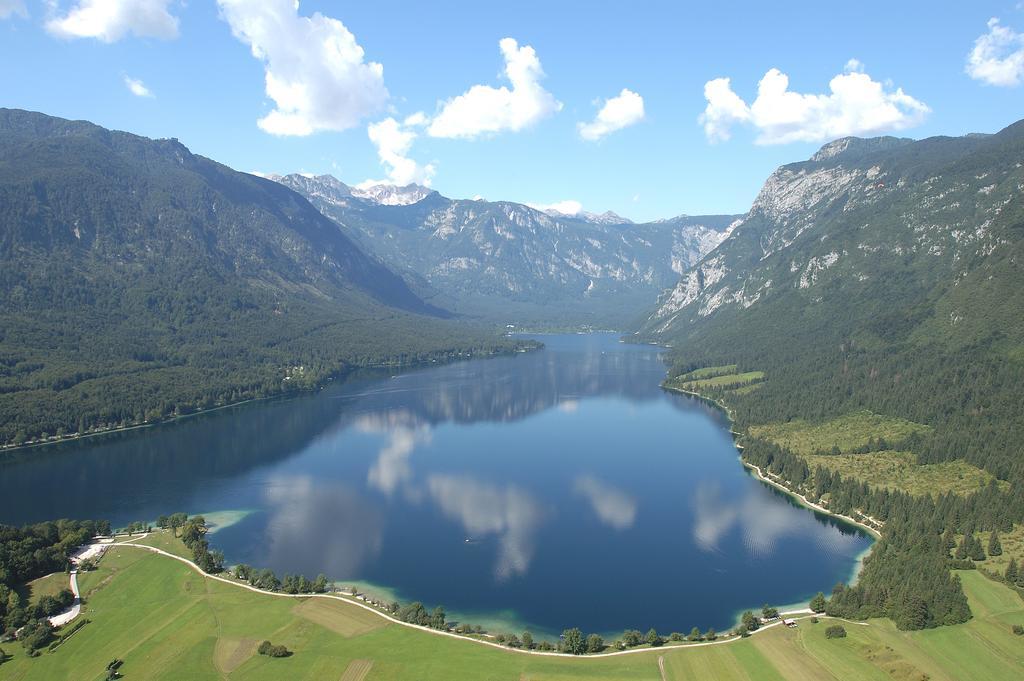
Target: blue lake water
545, 490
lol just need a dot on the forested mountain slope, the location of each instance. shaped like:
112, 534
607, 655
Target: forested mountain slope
509, 262
878, 283
138, 280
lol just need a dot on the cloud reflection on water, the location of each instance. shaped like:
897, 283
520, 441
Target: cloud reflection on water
762, 520
485, 509
404, 433
613, 507
348, 527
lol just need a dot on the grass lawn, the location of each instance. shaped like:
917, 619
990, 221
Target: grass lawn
723, 381
900, 471
50, 585
846, 432
707, 372
168, 622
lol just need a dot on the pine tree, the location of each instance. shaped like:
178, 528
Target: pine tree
962, 548
1011, 572
994, 547
949, 539
977, 550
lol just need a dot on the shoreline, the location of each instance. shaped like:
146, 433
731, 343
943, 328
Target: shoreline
9, 452
760, 476
797, 615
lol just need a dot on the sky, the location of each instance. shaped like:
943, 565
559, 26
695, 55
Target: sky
649, 109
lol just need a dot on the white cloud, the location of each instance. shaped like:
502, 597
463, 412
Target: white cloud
617, 113
393, 140
9, 8
855, 105
137, 87
110, 20
567, 207
485, 110
315, 70
998, 56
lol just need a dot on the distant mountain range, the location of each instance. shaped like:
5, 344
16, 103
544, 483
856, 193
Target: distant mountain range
507, 261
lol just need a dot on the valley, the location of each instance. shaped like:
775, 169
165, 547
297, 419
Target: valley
855, 338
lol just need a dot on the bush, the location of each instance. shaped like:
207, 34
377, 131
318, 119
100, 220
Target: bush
36, 634
270, 650
835, 631
1018, 629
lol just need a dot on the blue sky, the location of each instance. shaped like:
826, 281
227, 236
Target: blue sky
196, 59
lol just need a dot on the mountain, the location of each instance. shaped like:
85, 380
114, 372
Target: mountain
865, 224
391, 195
883, 274
864, 326
138, 280
509, 262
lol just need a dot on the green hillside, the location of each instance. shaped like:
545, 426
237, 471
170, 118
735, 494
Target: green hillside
139, 281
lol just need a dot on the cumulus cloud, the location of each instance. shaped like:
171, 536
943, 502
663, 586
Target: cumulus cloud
855, 105
616, 113
9, 8
315, 70
998, 56
110, 20
393, 140
566, 207
137, 87
484, 109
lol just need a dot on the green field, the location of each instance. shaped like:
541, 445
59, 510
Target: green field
166, 621
50, 585
708, 372
900, 471
846, 432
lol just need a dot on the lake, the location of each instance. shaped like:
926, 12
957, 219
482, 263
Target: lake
544, 490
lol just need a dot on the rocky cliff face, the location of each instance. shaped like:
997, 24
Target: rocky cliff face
915, 218
480, 257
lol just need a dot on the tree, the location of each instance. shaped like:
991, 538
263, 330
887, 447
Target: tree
769, 613
631, 638
835, 631
749, 621
527, 640
949, 539
437, 618
652, 638
512, 641
711, 634
595, 643
977, 551
818, 603
994, 547
320, 584
1011, 572
572, 642
694, 634
962, 549
243, 571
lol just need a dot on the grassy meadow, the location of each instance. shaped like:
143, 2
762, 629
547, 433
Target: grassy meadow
166, 621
